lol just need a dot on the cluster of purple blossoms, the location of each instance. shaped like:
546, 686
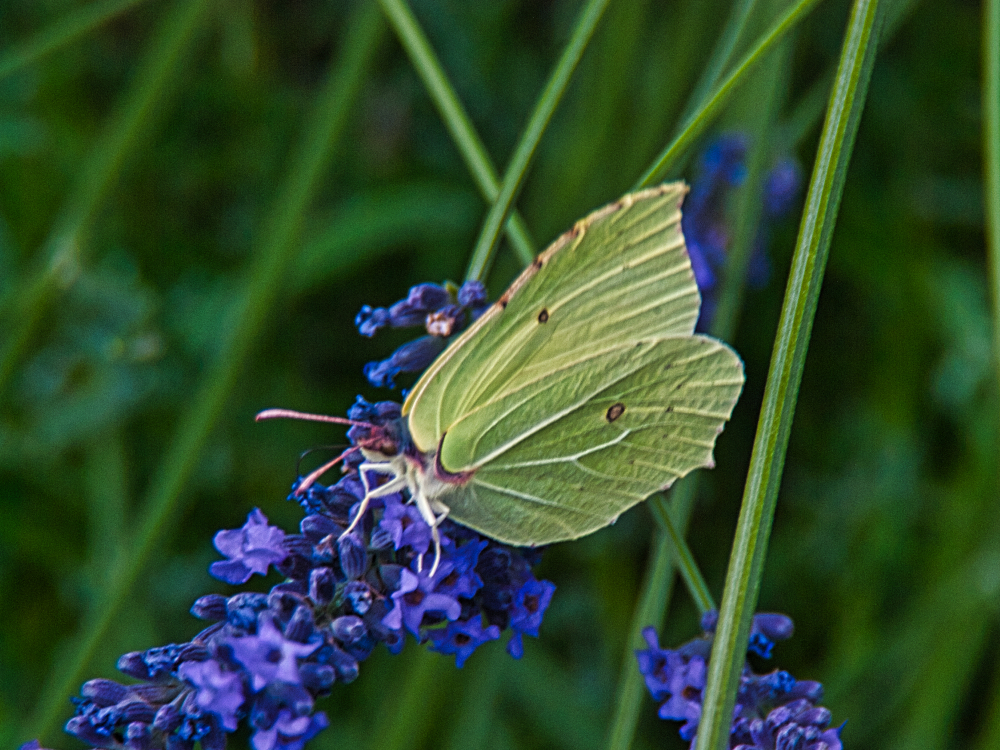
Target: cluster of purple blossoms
721, 168
773, 711
443, 310
267, 657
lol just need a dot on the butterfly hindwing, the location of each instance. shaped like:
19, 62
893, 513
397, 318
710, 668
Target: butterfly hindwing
564, 454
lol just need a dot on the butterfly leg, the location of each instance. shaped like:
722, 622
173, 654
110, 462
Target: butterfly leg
393, 485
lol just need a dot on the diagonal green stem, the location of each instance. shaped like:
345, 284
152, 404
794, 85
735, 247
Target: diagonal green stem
701, 119
767, 460
322, 130
524, 152
991, 155
64, 250
456, 119
721, 54
71, 27
686, 564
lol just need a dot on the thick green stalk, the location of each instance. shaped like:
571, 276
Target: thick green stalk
64, 250
705, 115
72, 26
767, 460
456, 119
524, 152
309, 161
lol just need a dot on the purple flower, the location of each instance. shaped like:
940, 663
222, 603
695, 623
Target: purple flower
462, 638
402, 521
289, 732
219, 691
529, 605
443, 311
773, 711
456, 576
269, 656
414, 598
250, 549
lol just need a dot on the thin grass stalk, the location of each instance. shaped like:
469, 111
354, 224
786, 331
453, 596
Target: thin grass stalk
68, 29
767, 460
64, 250
722, 52
323, 129
991, 156
683, 558
696, 125
527, 145
455, 118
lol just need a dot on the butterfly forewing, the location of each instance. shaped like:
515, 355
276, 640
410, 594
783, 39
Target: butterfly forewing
566, 454
621, 275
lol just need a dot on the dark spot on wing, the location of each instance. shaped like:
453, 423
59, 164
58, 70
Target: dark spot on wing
543, 316
538, 263
615, 411
670, 409
503, 302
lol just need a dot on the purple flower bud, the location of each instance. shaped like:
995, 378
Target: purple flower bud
359, 594
348, 629
472, 294
168, 718
322, 584
138, 736
353, 557
412, 356
301, 626
315, 527
318, 678
242, 609
211, 607
371, 320
103, 692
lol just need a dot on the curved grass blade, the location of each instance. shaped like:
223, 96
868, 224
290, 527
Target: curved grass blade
790, 346
456, 119
66, 30
63, 251
684, 559
524, 152
701, 119
322, 130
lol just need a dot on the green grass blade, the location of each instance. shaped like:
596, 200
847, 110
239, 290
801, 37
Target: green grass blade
66, 30
701, 119
456, 119
991, 155
767, 461
278, 248
684, 559
721, 54
64, 251
524, 152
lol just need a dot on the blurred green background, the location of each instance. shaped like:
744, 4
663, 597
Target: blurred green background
197, 196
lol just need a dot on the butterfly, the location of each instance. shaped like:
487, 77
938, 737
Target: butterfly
581, 392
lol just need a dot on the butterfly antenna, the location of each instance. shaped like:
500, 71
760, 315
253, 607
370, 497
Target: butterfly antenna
310, 480
308, 451
290, 414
